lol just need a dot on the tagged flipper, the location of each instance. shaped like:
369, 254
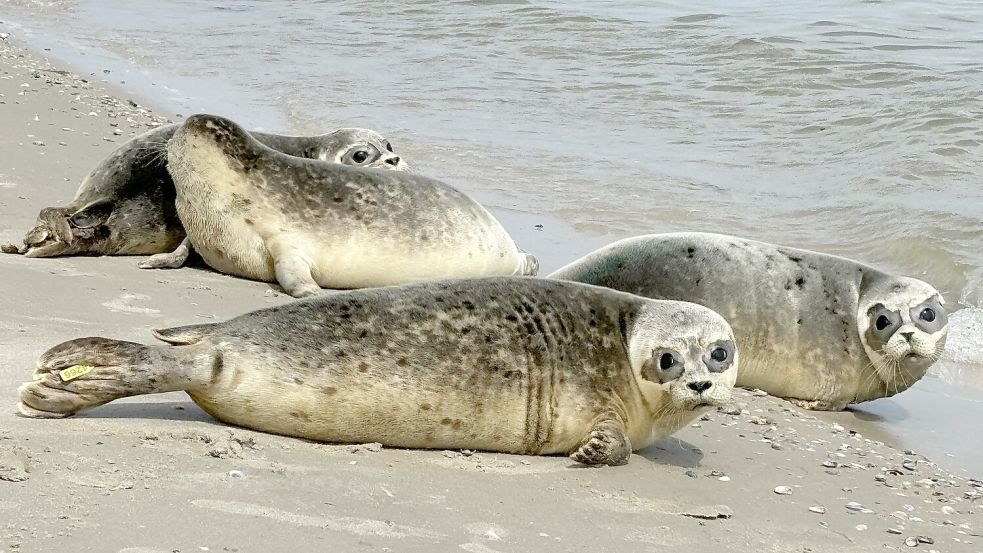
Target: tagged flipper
88, 372
169, 260
183, 335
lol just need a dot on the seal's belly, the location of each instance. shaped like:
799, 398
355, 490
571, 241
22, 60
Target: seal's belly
343, 405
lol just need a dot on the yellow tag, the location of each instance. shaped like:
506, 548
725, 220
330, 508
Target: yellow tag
75, 371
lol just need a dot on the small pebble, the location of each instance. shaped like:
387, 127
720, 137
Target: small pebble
925, 540
861, 527
837, 428
947, 510
830, 464
854, 506
236, 473
908, 464
911, 542
691, 474
783, 490
817, 509
895, 530
724, 478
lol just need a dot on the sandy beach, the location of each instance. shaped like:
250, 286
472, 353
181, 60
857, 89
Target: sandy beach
156, 474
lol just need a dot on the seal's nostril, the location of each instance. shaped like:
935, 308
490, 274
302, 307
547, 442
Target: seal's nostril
393, 160
907, 335
700, 387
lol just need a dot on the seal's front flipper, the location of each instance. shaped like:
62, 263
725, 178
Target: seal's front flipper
170, 260
607, 444
817, 404
88, 372
294, 275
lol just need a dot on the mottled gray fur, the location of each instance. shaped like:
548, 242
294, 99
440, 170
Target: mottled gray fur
799, 316
510, 364
125, 205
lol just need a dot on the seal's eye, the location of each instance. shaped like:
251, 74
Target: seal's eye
719, 355
389, 146
927, 315
360, 156
666, 361
882, 322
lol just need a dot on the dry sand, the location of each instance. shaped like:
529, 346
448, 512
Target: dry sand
156, 474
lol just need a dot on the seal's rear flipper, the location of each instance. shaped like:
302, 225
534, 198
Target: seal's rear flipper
88, 372
183, 335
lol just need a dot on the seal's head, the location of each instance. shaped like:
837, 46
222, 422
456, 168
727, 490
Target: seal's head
358, 148
688, 353
903, 326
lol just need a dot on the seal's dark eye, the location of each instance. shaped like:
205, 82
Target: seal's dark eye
882, 322
666, 361
927, 314
360, 156
389, 146
719, 355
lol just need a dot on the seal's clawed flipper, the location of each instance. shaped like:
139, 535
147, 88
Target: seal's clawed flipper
607, 444
817, 404
51, 235
293, 273
88, 372
169, 260
183, 335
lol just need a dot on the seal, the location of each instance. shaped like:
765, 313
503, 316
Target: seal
257, 213
125, 205
506, 364
819, 330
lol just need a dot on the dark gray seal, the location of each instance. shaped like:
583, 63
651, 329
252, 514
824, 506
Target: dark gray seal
254, 212
509, 364
125, 205
819, 330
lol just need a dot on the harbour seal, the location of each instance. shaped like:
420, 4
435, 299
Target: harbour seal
508, 364
125, 205
257, 213
819, 330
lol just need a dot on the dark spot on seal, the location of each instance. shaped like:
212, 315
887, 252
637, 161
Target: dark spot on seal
512, 318
363, 367
298, 381
218, 365
798, 321
468, 304
466, 330
330, 390
402, 362
425, 407
363, 334
799, 282
248, 221
690, 252
338, 199
445, 421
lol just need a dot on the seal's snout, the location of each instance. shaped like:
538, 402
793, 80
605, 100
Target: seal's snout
701, 386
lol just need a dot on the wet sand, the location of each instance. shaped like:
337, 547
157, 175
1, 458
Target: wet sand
155, 474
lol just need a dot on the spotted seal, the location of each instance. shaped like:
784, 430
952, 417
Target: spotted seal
125, 205
257, 213
819, 330
507, 364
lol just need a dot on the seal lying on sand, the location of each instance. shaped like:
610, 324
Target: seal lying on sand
508, 364
254, 212
819, 330
125, 206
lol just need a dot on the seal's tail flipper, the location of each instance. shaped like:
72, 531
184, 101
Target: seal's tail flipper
88, 372
183, 335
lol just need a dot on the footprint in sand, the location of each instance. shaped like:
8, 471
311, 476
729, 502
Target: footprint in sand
14, 463
126, 303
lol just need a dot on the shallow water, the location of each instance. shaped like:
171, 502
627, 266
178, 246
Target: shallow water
852, 128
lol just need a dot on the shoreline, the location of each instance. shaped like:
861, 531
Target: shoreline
123, 476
